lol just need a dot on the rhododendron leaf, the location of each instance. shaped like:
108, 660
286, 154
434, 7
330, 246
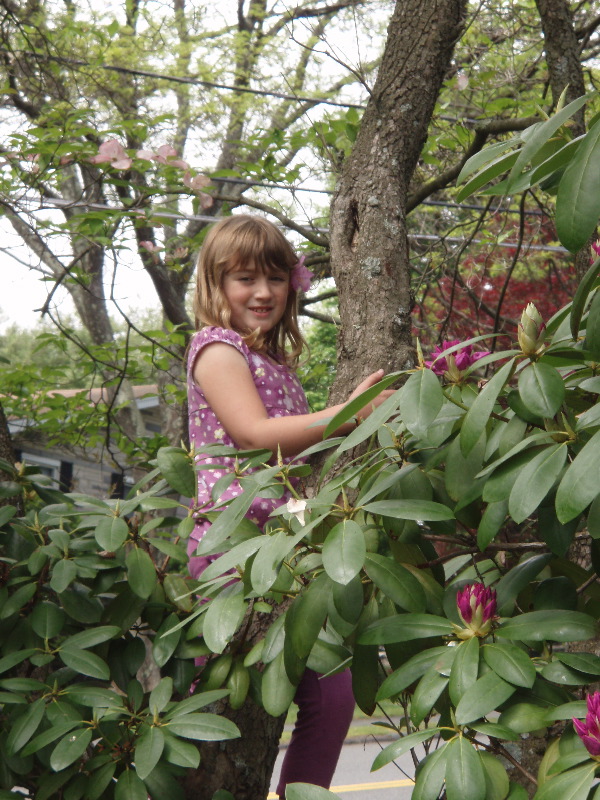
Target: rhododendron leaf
578, 199
579, 485
541, 389
421, 401
465, 778
479, 413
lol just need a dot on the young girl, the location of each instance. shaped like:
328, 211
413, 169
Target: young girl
243, 392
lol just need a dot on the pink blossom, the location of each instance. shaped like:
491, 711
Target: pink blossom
114, 153
453, 365
301, 276
146, 155
149, 246
588, 730
596, 247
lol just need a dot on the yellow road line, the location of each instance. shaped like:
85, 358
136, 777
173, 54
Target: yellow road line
358, 787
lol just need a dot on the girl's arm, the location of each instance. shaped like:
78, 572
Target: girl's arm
223, 375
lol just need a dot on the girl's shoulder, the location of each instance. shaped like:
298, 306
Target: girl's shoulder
211, 335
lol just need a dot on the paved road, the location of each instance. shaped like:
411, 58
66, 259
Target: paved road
353, 779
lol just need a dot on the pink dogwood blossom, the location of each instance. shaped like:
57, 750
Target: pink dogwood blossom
301, 276
112, 152
588, 730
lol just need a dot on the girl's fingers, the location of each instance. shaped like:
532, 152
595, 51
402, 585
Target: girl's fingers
374, 378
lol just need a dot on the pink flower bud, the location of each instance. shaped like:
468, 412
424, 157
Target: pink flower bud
453, 366
477, 608
588, 730
301, 276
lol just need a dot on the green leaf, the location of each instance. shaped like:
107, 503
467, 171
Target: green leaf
365, 671
485, 695
141, 572
302, 626
510, 663
484, 156
592, 329
111, 533
571, 785
581, 295
354, 406
541, 134
396, 582
25, 726
491, 171
160, 696
428, 690
47, 620
524, 717
479, 413
404, 627
166, 640
584, 662
517, 579
556, 626
401, 746
496, 778
465, 668
578, 199
579, 485
204, 727
425, 510
495, 731
91, 637
344, 551
85, 662
371, 424
430, 775
70, 748
421, 401
541, 389
238, 555
130, 787
277, 690
465, 778
410, 672
64, 573
222, 620
148, 750
535, 481
461, 471
176, 467
491, 522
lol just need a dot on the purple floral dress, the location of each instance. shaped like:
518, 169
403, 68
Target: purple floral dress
282, 394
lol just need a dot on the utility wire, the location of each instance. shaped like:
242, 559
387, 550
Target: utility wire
419, 237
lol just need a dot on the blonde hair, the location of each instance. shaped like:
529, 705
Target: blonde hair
247, 240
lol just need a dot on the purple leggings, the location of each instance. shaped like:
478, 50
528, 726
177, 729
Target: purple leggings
325, 710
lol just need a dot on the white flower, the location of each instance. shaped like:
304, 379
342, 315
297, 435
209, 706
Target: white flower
297, 508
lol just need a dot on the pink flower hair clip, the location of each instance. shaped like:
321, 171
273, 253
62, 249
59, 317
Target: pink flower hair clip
301, 276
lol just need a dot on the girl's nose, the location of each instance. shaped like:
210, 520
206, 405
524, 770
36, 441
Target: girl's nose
262, 287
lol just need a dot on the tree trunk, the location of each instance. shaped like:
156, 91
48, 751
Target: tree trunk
563, 57
369, 247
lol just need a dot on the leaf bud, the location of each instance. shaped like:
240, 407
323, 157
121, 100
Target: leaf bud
531, 331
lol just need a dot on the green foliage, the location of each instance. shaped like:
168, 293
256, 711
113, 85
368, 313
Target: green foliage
462, 464
546, 155
83, 587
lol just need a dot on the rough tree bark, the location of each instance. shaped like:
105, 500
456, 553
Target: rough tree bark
563, 58
369, 247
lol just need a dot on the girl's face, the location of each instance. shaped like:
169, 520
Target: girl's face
257, 298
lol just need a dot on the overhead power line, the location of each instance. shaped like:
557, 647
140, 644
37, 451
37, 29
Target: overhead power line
419, 237
73, 62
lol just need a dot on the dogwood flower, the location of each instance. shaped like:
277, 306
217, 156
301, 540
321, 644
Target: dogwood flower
297, 508
588, 730
454, 365
301, 276
112, 152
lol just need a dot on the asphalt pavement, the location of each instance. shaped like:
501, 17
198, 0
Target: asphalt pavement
353, 779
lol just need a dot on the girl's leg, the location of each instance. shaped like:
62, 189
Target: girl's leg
325, 710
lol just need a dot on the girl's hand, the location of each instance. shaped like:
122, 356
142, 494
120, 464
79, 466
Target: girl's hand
374, 378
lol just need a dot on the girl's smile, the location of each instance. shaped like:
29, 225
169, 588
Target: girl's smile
257, 299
